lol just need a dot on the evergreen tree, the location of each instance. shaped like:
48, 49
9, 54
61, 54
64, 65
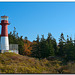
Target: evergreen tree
61, 45
14, 31
36, 49
43, 47
55, 47
51, 45
26, 39
21, 45
51, 49
38, 39
69, 50
49, 37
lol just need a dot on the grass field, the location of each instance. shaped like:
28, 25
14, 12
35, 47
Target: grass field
15, 63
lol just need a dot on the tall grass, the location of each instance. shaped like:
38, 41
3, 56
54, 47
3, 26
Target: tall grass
15, 63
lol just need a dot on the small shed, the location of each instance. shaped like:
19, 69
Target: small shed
13, 48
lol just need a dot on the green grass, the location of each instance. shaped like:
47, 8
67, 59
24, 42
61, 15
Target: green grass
15, 63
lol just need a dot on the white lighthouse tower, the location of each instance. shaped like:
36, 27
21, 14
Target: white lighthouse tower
4, 34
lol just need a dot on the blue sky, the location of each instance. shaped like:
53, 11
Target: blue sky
32, 18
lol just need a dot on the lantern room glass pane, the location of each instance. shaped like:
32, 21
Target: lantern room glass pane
4, 17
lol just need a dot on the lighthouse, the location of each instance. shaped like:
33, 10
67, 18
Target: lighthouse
4, 34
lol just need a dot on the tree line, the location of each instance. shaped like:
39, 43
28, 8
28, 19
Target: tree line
43, 48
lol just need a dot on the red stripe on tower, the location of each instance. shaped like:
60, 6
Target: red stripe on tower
4, 31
